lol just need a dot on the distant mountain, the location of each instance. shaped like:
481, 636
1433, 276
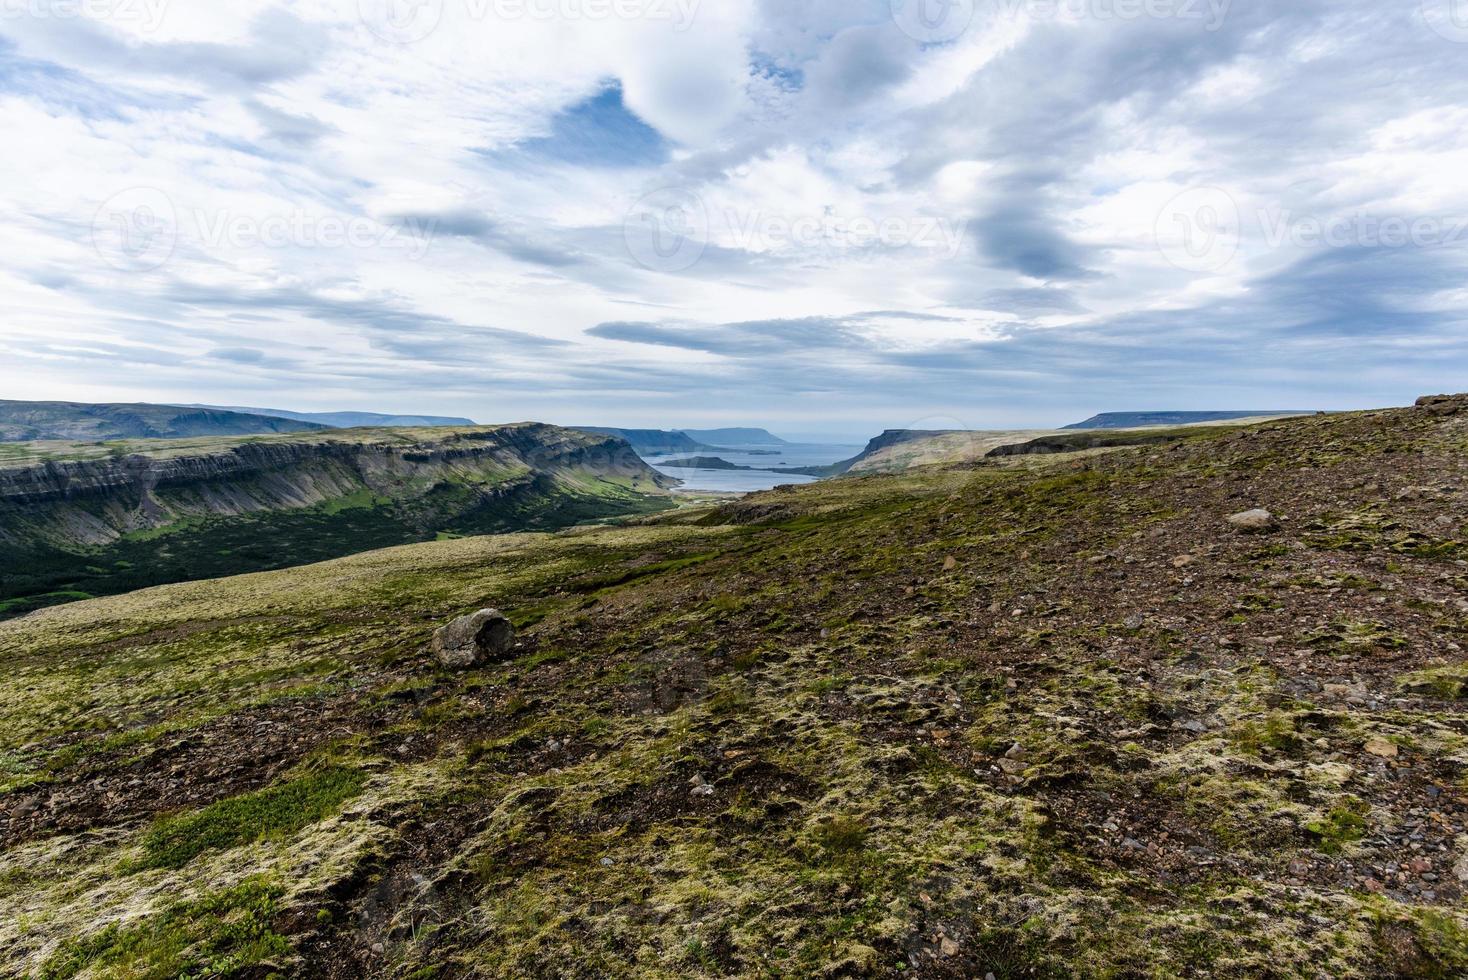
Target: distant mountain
650, 441
876, 447
352, 420
82, 422
1135, 420
735, 437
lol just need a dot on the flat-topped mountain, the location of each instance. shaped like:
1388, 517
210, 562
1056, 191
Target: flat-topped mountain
92, 519
353, 420
902, 449
651, 441
735, 437
23, 421
1134, 420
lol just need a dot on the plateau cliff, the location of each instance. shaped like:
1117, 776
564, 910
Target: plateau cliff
27, 421
77, 523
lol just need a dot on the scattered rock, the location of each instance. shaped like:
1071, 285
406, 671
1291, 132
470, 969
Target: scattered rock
1381, 747
1253, 520
950, 563
479, 638
1016, 751
1443, 404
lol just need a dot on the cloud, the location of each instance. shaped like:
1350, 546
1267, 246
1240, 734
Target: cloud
238, 355
520, 155
280, 46
757, 338
1023, 238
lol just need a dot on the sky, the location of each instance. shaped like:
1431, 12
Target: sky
827, 217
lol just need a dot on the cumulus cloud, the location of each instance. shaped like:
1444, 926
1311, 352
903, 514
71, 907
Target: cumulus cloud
736, 212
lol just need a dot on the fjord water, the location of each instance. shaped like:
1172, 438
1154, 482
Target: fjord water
747, 481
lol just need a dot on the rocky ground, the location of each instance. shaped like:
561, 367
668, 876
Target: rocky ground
1038, 716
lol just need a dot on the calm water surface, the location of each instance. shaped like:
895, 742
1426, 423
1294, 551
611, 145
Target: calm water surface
746, 481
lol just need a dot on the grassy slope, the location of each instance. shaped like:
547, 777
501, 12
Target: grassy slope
1238, 754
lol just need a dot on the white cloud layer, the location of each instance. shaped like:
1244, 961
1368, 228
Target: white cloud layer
825, 216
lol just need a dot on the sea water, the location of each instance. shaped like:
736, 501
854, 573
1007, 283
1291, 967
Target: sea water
746, 481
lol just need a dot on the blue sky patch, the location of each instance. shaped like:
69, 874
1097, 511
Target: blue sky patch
599, 132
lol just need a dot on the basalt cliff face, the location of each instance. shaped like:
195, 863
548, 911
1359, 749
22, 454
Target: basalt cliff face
72, 525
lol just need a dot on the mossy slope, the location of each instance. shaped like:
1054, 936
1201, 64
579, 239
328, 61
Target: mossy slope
1034, 717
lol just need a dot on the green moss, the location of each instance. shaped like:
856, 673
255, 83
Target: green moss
278, 811
217, 936
842, 835
1275, 733
1449, 683
1348, 637
1342, 825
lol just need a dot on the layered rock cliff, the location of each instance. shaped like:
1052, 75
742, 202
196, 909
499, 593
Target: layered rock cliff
224, 502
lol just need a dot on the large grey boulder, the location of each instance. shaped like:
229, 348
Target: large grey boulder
1253, 520
1443, 404
479, 638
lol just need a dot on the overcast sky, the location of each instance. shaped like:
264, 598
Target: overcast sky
822, 216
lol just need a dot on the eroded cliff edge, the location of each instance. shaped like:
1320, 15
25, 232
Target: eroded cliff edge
92, 520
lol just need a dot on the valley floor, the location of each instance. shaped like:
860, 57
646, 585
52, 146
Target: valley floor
1041, 716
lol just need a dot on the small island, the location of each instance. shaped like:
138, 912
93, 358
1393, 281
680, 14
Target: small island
703, 463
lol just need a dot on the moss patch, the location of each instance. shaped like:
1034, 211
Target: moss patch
274, 812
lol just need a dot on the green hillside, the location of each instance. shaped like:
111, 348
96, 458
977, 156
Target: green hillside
1040, 716
103, 518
